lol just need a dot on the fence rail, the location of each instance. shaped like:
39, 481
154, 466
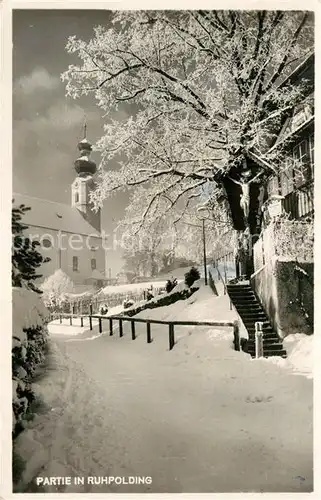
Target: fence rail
171, 325
78, 306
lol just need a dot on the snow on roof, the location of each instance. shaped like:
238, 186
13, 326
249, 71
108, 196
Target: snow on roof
84, 141
52, 215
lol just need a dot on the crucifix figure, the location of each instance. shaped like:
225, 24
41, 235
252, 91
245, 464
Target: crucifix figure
245, 195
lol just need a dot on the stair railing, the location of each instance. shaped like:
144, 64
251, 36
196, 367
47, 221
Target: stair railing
258, 339
224, 281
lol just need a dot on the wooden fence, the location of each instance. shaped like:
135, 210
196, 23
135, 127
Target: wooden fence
84, 305
170, 324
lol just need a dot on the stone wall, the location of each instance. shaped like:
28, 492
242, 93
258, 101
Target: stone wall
285, 289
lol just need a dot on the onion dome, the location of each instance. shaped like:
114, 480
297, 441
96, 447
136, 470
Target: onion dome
84, 145
84, 165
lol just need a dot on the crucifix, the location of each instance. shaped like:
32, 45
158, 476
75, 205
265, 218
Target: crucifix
245, 195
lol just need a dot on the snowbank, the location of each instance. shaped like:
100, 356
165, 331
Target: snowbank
299, 360
203, 305
131, 288
29, 311
299, 348
29, 334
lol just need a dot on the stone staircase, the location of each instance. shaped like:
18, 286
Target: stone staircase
250, 310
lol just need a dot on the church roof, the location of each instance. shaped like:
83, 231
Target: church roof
52, 215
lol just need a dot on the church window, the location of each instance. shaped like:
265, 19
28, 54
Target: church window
76, 197
75, 263
93, 264
46, 243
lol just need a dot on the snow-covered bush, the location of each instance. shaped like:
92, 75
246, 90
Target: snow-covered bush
180, 292
25, 257
55, 287
29, 342
191, 276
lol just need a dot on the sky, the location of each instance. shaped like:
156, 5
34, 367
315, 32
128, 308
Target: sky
47, 125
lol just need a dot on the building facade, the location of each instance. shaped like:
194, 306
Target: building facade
278, 261
70, 235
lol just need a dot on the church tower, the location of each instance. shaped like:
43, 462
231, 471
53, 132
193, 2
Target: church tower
84, 184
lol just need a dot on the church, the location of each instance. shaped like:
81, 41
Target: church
70, 235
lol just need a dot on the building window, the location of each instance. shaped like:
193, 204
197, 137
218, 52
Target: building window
76, 197
93, 264
273, 186
311, 153
46, 243
75, 263
302, 162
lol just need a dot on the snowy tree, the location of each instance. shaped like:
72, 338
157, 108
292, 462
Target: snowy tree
25, 257
144, 250
55, 287
185, 95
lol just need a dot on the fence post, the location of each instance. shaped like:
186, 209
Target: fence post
133, 329
120, 328
81, 321
110, 326
236, 336
70, 319
149, 338
258, 339
60, 318
90, 323
100, 325
171, 336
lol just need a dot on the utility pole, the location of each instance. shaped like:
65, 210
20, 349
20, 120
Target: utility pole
204, 252
202, 216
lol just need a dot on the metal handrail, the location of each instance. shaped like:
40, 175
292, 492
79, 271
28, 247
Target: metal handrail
224, 284
171, 324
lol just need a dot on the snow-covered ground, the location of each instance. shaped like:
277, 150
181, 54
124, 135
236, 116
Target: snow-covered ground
199, 418
299, 360
131, 287
65, 328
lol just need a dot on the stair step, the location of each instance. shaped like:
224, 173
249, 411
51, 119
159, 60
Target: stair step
266, 328
244, 300
246, 303
272, 347
266, 341
253, 315
275, 353
237, 290
259, 317
251, 308
236, 285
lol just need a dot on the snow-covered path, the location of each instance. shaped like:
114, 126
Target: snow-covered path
197, 419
